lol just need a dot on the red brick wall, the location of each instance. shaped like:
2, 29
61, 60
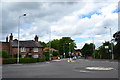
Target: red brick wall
15, 51
5, 46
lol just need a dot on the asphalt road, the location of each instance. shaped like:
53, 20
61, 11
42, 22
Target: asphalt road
81, 68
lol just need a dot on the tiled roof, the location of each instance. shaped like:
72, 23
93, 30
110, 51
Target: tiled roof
29, 43
51, 49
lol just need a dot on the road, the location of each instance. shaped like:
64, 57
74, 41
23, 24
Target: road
82, 68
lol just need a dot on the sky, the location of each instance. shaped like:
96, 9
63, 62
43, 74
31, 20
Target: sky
84, 22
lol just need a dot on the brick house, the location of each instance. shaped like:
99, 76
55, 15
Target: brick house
30, 48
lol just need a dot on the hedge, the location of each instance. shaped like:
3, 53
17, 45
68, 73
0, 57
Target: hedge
9, 60
28, 60
24, 60
41, 59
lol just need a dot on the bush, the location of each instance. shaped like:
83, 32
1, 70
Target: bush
4, 54
41, 59
9, 60
28, 60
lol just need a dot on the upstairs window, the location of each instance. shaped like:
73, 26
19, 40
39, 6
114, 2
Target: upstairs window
35, 49
23, 49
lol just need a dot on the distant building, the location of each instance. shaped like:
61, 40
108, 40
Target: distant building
77, 52
30, 48
52, 49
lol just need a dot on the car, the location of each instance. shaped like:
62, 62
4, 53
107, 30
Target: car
74, 58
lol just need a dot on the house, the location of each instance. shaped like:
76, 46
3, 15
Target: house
53, 57
31, 48
52, 49
77, 52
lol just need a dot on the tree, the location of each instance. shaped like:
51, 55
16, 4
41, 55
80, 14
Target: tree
102, 52
117, 46
88, 49
66, 45
43, 44
63, 45
55, 44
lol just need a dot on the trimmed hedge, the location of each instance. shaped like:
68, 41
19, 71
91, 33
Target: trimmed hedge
24, 60
9, 60
41, 59
28, 60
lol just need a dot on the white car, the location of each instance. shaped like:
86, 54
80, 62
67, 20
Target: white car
74, 58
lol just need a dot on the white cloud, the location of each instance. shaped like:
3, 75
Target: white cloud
65, 19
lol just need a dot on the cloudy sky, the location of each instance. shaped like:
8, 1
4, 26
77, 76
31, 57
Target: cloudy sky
82, 21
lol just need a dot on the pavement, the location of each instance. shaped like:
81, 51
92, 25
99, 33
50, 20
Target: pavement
81, 68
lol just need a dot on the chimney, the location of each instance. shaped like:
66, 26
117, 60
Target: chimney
7, 39
36, 38
11, 36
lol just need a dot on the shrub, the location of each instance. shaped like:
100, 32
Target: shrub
41, 59
4, 54
28, 60
9, 60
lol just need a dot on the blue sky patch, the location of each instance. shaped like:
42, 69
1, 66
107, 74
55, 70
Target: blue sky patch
79, 40
116, 10
90, 14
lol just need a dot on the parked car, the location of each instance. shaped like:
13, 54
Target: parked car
79, 57
74, 58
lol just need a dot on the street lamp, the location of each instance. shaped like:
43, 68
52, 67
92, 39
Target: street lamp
111, 42
69, 50
18, 35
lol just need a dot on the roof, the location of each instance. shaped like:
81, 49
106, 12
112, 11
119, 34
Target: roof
50, 49
29, 44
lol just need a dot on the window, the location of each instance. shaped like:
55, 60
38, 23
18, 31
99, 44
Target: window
35, 49
23, 49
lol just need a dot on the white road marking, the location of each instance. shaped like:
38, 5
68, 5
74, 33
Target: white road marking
84, 71
99, 68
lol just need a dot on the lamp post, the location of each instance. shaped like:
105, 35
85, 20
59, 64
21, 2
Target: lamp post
18, 35
69, 50
111, 42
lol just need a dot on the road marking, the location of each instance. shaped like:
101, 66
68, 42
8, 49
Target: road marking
47, 62
84, 71
99, 68
16, 64
56, 60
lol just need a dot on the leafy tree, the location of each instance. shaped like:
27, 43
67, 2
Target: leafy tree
88, 49
117, 46
66, 45
96, 54
43, 44
54, 44
63, 45
102, 52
